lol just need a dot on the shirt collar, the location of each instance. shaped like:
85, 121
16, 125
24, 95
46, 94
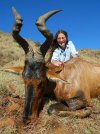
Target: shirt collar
67, 46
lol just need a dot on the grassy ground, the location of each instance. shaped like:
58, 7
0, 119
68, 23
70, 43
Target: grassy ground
12, 99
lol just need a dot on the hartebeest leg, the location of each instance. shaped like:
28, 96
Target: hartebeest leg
57, 107
75, 104
70, 107
42, 102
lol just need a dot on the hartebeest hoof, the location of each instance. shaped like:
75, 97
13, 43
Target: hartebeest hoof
55, 108
51, 111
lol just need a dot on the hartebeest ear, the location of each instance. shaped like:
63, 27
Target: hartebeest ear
17, 70
56, 69
55, 77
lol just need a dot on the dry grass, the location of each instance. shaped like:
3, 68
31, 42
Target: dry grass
90, 55
10, 51
12, 99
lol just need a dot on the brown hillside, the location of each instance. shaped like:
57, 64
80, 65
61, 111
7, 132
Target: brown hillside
10, 51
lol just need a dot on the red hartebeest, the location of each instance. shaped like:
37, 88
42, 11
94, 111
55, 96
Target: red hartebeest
72, 85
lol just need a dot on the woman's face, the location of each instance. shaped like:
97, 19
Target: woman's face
61, 39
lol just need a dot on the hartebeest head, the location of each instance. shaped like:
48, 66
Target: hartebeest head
34, 55
33, 72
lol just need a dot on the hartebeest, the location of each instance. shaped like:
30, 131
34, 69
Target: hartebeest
72, 85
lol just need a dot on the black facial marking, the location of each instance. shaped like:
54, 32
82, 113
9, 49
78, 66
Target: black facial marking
32, 69
29, 98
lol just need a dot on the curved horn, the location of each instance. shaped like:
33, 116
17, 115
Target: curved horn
16, 29
43, 29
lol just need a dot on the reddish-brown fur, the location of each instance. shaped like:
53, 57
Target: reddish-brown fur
80, 76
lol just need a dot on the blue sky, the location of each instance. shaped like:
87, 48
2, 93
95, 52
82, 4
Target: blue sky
80, 18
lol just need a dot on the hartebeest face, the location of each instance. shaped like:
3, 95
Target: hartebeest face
31, 76
32, 69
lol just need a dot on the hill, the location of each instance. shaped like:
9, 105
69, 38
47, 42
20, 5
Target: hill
12, 53
12, 97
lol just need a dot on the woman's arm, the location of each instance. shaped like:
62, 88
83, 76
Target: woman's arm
74, 53
55, 58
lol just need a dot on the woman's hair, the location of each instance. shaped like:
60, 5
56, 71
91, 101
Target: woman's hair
56, 36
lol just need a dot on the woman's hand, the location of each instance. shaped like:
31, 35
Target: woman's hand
57, 63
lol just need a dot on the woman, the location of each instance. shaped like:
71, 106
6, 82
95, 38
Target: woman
64, 49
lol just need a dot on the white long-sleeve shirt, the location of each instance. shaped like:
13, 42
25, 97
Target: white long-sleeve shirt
64, 55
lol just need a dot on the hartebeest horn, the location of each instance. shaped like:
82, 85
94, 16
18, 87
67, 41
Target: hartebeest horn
16, 29
17, 15
43, 29
41, 23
